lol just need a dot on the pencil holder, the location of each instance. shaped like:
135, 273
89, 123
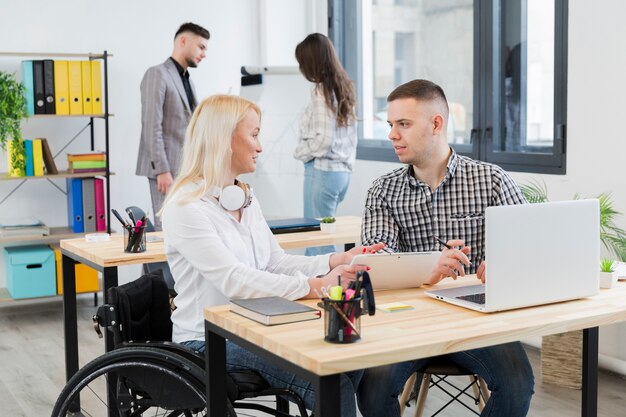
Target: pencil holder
135, 239
342, 320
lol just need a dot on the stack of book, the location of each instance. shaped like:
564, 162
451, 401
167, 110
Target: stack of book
29, 226
86, 162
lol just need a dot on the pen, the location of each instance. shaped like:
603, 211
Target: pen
446, 245
345, 318
121, 220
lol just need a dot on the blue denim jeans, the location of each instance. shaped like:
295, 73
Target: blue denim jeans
237, 358
505, 369
323, 191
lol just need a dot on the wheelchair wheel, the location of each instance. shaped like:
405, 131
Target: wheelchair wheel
141, 381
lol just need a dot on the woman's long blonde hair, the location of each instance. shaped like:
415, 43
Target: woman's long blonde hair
207, 149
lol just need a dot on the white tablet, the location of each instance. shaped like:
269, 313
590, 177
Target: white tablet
393, 271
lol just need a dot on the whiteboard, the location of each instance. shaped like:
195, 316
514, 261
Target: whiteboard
278, 181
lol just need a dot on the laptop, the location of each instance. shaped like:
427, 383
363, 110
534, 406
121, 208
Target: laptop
391, 271
301, 224
536, 254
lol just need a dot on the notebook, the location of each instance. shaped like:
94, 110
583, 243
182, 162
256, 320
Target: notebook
536, 254
393, 271
273, 310
302, 224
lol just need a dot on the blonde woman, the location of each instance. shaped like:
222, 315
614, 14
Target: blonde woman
219, 246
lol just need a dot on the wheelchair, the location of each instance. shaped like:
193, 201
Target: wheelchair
147, 374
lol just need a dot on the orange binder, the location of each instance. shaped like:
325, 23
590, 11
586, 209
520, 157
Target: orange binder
86, 83
61, 88
75, 87
96, 87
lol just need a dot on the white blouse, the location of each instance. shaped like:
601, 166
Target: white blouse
214, 258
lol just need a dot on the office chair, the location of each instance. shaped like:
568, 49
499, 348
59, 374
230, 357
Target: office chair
435, 375
147, 373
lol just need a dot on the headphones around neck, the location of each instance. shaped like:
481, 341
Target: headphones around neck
235, 197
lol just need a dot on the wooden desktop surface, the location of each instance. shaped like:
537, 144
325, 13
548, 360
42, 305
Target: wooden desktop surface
111, 253
432, 328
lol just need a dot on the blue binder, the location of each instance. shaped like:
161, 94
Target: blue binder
27, 80
75, 205
30, 167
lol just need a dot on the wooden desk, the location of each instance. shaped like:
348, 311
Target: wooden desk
107, 256
432, 328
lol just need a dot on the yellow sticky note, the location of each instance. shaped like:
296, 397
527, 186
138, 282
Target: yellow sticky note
393, 307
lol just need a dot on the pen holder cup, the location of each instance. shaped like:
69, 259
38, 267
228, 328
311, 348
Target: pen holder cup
135, 239
342, 320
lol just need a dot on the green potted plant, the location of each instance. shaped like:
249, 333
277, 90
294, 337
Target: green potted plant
328, 225
613, 238
608, 277
12, 111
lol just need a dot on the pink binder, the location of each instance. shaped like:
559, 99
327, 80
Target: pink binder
101, 221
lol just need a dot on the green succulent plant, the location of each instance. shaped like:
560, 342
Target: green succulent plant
328, 219
606, 265
612, 236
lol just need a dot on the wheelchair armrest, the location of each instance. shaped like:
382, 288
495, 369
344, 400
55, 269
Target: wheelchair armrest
106, 316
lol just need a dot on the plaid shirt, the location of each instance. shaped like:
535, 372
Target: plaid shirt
404, 213
332, 148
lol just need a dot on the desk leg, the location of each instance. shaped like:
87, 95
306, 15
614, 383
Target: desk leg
590, 373
109, 280
215, 356
328, 396
70, 326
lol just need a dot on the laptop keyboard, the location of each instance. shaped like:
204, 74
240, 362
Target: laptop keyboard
473, 298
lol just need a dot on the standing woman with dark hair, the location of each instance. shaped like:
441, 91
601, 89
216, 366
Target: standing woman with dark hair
327, 143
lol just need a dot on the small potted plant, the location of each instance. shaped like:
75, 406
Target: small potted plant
608, 277
328, 225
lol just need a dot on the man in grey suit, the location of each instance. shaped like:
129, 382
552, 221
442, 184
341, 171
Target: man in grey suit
167, 103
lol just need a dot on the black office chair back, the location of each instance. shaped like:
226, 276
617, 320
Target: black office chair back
138, 213
135, 213
143, 310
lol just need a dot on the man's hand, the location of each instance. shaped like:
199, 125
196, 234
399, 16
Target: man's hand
164, 180
451, 263
482, 271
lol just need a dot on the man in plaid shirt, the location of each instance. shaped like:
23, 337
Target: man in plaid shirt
439, 193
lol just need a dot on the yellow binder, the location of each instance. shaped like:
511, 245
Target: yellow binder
75, 87
37, 157
61, 92
96, 87
86, 82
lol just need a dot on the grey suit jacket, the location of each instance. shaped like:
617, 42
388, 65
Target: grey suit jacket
165, 114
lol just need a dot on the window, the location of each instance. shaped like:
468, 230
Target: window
502, 64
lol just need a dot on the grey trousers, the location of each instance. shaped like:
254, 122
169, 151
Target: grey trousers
157, 202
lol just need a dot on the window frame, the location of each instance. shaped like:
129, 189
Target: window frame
345, 28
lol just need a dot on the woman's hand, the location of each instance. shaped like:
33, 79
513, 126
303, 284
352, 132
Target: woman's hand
346, 272
451, 263
342, 258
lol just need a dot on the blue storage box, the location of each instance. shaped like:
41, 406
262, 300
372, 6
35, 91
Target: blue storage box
30, 271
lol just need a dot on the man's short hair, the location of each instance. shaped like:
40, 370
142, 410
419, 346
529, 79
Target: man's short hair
193, 28
420, 90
